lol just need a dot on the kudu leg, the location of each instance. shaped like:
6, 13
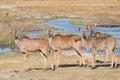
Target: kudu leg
26, 60
106, 58
46, 57
52, 66
57, 56
55, 59
93, 59
45, 61
81, 57
114, 60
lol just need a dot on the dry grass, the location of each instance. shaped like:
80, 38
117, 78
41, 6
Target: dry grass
99, 8
12, 68
106, 12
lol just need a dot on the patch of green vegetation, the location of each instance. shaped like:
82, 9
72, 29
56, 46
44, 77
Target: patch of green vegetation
14, 21
7, 41
76, 22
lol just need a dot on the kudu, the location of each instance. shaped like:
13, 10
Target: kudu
59, 42
97, 35
30, 45
95, 44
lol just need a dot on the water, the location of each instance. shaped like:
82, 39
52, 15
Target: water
5, 50
34, 34
73, 29
64, 25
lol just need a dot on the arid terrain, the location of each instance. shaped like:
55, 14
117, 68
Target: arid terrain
12, 68
24, 13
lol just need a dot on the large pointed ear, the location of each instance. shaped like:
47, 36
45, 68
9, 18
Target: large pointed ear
20, 30
79, 28
93, 26
53, 28
45, 29
12, 31
88, 28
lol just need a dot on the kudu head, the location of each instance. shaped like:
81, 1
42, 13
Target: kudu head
97, 34
83, 32
90, 29
15, 32
49, 31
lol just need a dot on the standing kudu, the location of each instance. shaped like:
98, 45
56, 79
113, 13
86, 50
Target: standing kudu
28, 45
59, 42
97, 35
95, 44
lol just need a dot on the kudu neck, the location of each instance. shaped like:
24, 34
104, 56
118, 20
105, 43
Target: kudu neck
17, 41
92, 33
84, 41
50, 35
84, 36
16, 36
51, 41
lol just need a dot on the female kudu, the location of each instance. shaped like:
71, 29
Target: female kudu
59, 42
27, 45
97, 42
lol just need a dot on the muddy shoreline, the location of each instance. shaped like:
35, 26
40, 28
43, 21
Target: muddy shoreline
108, 26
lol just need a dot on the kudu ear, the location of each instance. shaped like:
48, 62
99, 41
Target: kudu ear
45, 28
53, 28
12, 31
93, 26
88, 28
20, 30
79, 28
83, 31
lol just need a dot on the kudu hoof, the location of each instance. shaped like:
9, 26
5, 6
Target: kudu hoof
44, 69
117, 66
112, 67
85, 65
53, 69
81, 65
93, 67
29, 69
